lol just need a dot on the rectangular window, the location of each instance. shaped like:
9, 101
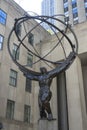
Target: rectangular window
75, 10
3, 17
75, 15
13, 78
74, 5
86, 10
10, 109
1, 42
15, 52
85, 7
66, 9
18, 29
29, 60
27, 111
31, 38
28, 85
65, 1
67, 19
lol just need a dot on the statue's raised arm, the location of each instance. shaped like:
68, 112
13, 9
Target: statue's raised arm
63, 66
29, 73
44, 74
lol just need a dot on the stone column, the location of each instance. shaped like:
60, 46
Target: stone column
62, 102
74, 92
82, 92
81, 10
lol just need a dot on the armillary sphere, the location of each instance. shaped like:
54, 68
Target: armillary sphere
66, 33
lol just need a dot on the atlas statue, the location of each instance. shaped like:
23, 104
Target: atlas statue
44, 77
45, 80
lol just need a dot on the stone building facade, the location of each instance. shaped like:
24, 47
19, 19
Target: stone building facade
18, 105
74, 10
16, 97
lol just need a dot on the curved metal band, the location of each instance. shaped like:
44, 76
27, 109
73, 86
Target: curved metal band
65, 64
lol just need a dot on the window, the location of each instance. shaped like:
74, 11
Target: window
67, 19
75, 10
28, 85
18, 29
3, 17
66, 9
86, 10
74, 5
1, 42
75, 15
10, 109
85, 7
15, 52
29, 60
13, 78
31, 38
65, 1
27, 110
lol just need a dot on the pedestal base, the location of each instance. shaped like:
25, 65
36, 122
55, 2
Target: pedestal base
47, 125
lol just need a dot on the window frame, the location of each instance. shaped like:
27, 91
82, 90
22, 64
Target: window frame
14, 51
1, 43
27, 113
66, 19
10, 109
29, 61
64, 1
75, 15
19, 29
74, 5
66, 9
2, 18
13, 78
31, 39
28, 87
85, 1
86, 10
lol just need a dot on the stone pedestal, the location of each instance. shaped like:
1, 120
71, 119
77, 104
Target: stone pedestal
47, 125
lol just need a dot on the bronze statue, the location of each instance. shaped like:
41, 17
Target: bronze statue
44, 77
44, 93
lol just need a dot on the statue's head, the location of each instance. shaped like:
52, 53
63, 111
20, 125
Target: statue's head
43, 70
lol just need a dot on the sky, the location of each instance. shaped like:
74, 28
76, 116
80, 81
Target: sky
30, 5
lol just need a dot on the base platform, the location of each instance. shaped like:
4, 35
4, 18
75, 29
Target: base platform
45, 124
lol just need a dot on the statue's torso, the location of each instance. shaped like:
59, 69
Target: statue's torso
44, 88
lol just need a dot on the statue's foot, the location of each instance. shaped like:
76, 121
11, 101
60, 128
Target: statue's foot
50, 117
